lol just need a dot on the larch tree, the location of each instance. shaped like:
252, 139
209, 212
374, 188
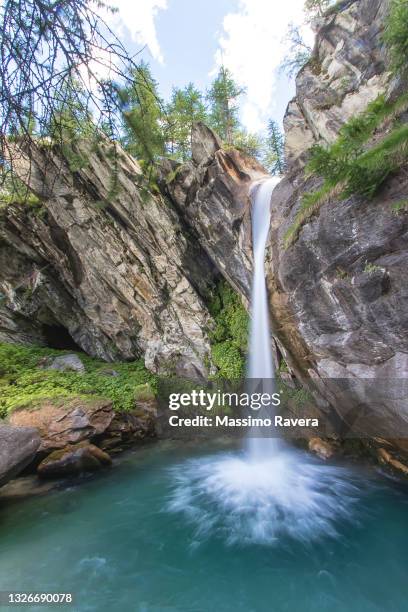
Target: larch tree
274, 159
143, 116
184, 109
223, 100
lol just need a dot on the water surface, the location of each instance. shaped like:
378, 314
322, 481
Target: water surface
118, 543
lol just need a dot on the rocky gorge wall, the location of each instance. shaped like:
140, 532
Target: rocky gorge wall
338, 292
128, 274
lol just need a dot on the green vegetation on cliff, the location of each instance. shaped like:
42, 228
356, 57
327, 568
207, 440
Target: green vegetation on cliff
396, 36
25, 382
229, 338
352, 165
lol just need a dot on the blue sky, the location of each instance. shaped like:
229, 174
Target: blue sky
187, 40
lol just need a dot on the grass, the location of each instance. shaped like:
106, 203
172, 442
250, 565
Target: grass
400, 207
396, 36
351, 167
24, 382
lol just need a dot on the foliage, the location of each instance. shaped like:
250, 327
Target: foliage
15, 192
229, 338
223, 98
274, 159
298, 54
370, 268
400, 206
349, 166
23, 382
317, 8
184, 109
143, 115
396, 36
249, 143
45, 45
71, 122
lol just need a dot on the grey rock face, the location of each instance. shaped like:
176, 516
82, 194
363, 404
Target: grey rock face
338, 295
18, 446
211, 195
115, 272
346, 73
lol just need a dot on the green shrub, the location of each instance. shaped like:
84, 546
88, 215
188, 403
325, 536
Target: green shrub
396, 36
228, 359
229, 338
349, 166
24, 382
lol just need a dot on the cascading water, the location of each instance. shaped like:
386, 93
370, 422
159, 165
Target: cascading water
268, 491
260, 370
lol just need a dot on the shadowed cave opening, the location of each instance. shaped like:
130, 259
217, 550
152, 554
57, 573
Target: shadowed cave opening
58, 337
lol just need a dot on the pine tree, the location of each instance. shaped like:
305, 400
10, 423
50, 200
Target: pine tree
223, 97
143, 117
274, 159
185, 108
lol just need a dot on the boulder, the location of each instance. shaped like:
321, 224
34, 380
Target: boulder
18, 446
90, 420
67, 363
387, 459
60, 426
322, 448
73, 459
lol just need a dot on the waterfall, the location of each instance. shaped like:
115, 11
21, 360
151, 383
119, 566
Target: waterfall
268, 491
260, 364
260, 370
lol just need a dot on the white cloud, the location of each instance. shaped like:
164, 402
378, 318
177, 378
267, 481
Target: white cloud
137, 18
252, 46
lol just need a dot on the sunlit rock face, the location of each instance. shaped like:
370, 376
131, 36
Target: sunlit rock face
338, 295
116, 272
211, 194
127, 272
347, 71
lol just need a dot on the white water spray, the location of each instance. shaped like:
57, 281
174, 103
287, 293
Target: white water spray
268, 491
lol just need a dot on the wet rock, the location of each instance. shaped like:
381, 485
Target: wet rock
73, 459
18, 446
387, 459
322, 448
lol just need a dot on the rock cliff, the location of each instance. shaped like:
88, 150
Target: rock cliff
338, 293
126, 274
115, 275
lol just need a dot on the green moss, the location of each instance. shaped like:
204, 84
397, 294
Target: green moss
351, 167
24, 382
370, 268
229, 338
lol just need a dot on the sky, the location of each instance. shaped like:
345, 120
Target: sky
187, 41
